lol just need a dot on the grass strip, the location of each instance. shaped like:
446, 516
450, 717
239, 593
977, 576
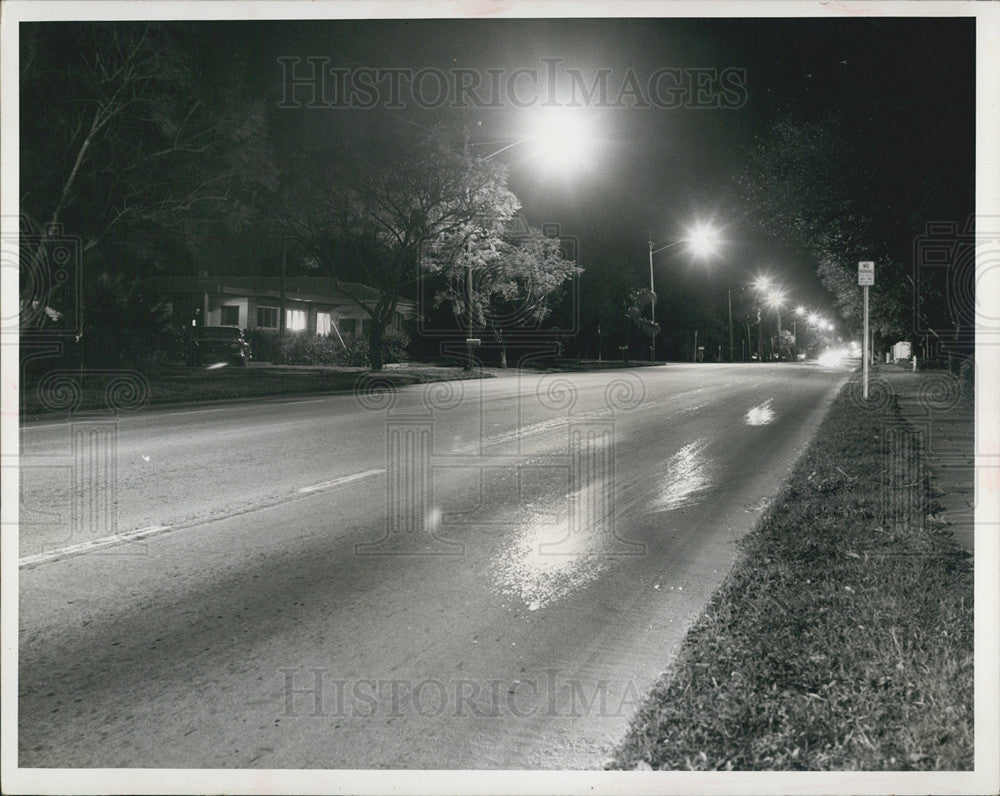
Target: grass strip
843, 637
165, 385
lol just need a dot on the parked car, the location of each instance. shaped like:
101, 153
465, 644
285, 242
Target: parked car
211, 344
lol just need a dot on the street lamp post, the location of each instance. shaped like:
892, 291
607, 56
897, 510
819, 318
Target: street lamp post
652, 292
652, 296
703, 239
732, 290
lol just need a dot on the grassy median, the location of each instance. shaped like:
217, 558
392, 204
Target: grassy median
180, 384
841, 640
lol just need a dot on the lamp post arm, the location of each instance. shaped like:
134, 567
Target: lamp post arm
653, 250
504, 149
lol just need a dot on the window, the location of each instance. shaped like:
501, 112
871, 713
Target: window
295, 320
348, 325
267, 317
323, 326
230, 316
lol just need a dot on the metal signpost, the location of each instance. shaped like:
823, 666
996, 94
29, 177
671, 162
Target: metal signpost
866, 278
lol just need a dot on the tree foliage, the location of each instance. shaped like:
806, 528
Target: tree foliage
814, 185
117, 128
374, 209
503, 277
128, 148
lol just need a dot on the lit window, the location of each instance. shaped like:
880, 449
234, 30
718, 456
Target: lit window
323, 325
267, 317
295, 320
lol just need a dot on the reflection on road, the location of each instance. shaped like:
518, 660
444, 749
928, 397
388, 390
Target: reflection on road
685, 476
549, 559
760, 415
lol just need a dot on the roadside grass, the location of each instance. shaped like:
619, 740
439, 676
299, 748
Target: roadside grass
840, 640
180, 384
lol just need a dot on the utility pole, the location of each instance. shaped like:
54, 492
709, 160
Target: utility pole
281, 290
760, 337
652, 303
730, 325
778, 313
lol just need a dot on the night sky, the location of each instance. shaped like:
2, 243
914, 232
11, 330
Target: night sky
906, 86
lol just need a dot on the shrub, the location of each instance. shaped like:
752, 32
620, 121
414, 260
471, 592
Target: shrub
263, 344
355, 352
395, 345
302, 348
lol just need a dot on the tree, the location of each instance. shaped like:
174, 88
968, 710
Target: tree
500, 278
820, 186
638, 299
373, 209
123, 144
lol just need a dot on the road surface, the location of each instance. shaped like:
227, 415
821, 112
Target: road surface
463, 575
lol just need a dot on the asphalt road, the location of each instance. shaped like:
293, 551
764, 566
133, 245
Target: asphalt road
462, 575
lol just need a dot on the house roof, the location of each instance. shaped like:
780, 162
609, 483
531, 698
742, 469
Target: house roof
302, 288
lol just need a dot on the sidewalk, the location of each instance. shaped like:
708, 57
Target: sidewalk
941, 407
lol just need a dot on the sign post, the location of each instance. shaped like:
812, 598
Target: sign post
866, 278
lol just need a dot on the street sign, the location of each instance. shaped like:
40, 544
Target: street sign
473, 341
866, 279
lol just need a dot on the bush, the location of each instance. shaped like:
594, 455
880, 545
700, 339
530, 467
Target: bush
394, 348
355, 351
302, 348
263, 344
395, 345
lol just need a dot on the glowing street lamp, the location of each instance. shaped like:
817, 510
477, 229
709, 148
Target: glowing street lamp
561, 138
762, 285
703, 241
776, 298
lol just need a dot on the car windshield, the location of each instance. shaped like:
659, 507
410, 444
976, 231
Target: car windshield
217, 332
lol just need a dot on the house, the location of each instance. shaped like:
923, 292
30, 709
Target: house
318, 305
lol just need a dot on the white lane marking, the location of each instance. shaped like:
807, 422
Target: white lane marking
152, 530
93, 544
338, 481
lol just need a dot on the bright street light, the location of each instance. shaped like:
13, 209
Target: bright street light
761, 285
561, 137
703, 240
